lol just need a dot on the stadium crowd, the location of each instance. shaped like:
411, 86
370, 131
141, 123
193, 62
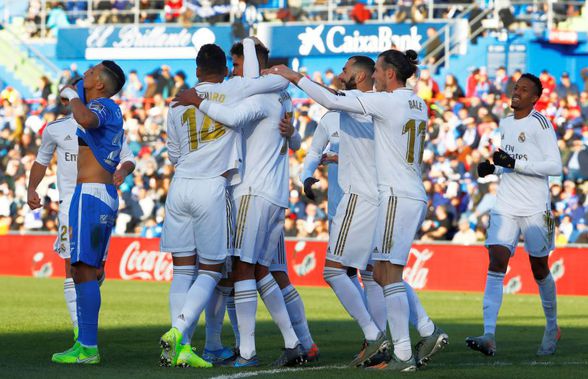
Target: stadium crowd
462, 132
568, 15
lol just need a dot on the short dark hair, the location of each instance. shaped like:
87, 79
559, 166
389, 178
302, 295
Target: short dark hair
211, 59
404, 64
364, 63
261, 51
536, 82
115, 74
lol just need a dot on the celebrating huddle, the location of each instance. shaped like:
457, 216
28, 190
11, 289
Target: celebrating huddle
224, 214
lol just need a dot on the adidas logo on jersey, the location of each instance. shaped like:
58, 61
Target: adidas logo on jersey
67, 138
335, 135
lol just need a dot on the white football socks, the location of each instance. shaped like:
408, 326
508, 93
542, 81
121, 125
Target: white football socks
180, 285
274, 301
492, 300
69, 292
549, 301
347, 294
398, 315
246, 307
418, 316
215, 315
196, 300
297, 314
375, 299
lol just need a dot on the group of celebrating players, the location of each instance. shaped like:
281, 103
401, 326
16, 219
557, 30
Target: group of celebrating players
224, 216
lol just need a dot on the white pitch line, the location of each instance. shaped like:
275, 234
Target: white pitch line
248, 374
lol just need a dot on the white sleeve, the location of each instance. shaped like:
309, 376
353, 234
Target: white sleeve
47, 148
295, 140
320, 139
247, 111
551, 163
126, 155
263, 84
328, 99
173, 143
250, 62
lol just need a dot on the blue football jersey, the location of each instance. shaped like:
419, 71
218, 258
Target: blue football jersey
106, 140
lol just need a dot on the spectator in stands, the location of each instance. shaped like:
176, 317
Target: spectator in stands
179, 83
133, 88
576, 165
165, 82
434, 48
438, 227
465, 235
427, 88
566, 87
500, 80
511, 82
472, 82
149, 10
45, 88
64, 78
452, 88
173, 10
56, 19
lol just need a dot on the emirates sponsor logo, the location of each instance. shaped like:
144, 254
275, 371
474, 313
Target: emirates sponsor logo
415, 272
144, 264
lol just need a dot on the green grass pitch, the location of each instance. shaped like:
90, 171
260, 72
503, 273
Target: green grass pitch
34, 324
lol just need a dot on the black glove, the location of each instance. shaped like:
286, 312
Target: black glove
485, 168
308, 187
501, 158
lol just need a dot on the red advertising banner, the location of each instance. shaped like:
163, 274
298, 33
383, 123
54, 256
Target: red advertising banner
440, 267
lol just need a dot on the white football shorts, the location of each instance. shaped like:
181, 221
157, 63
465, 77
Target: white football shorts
398, 220
258, 226
352, 231
279, 263
537, 230
198, 216
61, 245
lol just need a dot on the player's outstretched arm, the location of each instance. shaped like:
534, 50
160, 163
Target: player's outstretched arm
250, 62
245, 113
172, 143
84, 116
320, 139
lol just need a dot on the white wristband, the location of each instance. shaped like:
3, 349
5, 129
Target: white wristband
68, 93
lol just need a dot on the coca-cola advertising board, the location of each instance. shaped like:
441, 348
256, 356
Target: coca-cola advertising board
439, 267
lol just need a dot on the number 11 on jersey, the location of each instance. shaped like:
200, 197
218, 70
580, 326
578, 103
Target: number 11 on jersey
415, 128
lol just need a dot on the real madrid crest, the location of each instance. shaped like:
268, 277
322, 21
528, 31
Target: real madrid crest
522, 137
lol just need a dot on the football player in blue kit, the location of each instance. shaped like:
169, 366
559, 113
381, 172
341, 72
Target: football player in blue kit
94, 204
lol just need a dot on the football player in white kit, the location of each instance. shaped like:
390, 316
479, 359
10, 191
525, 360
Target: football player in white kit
260, 213
208, 157
60, 136
400, 119
528, 156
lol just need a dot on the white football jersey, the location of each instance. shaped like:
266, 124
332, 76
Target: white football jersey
201, 147
400, 123
266, 170
532, 142
60, 135
325, 140
357, 164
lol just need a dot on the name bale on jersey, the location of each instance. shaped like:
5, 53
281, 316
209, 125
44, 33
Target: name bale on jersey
415, 104
214, 96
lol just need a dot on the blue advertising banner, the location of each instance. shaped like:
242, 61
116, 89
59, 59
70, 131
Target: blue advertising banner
138, 42
342, 39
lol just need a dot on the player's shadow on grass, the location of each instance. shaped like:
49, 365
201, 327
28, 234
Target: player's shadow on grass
130, 351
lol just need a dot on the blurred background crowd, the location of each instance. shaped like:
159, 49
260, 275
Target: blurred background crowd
462, 132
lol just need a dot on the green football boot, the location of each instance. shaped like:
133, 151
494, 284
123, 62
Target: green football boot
188, 358
170, 342
78, 354
76, 333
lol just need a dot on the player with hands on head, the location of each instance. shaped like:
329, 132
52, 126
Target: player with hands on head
100, 138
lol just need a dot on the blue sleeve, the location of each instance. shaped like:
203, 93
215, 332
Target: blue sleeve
103, 109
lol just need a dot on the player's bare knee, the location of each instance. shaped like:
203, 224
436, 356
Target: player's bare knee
539, 267
261, 272
499, 257
281, 278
